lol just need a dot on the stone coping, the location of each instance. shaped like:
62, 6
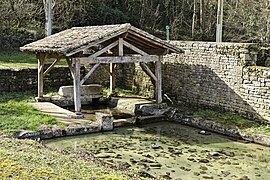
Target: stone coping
80, 129
216, 127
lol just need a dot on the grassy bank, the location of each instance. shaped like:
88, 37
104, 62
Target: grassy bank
27, 159
16, 114
229, 119
15, 59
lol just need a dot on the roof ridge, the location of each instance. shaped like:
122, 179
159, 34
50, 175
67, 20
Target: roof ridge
124, 25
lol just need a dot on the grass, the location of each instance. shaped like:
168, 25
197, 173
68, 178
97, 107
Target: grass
16, 114
231, 119
17, 60
27, 159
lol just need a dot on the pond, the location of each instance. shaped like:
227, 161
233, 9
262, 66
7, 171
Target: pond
174, 151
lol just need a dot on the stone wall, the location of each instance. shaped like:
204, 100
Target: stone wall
220, 76
26, 79
256, 89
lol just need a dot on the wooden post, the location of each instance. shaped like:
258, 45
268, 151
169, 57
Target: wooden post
41, 62
112, 79
77, 87
112, 66
158, 81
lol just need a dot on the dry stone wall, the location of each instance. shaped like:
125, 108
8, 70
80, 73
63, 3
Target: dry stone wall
256, 89
220, 76
26, 79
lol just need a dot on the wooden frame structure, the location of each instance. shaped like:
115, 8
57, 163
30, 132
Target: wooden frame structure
99, 45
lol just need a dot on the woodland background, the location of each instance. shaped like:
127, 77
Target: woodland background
22, 21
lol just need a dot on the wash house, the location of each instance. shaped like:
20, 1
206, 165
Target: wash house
100, 45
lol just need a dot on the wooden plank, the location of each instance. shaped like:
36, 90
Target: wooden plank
134, 48
148, 71
76, 86
119, 59
106, 38
51, 66
158, 88
41, 62
71, 68
89, 73
98, 53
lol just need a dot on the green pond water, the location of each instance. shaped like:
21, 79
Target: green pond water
174, 151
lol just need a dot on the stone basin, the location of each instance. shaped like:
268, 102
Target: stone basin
173, 151
86, 90
65, 95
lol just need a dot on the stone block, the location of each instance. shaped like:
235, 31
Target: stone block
105, 121
86, 90
146, 109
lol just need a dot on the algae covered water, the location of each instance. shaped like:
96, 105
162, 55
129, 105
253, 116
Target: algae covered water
171, 150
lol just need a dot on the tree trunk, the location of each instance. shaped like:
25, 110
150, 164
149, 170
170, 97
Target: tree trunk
193, 20
202, 31
48, 17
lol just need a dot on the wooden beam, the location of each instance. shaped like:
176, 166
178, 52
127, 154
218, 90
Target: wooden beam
76, 86
159, 44
71, 68
81, 48
98, 53
41, 62
158, 88
139, 42
134, 48
121, 47
51, 66
89, 73
148, 71
119, 59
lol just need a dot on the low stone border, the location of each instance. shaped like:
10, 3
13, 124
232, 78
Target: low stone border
80, 129
57, 131
209, 125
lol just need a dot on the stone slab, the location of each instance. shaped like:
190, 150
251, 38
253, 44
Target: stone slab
148, 109
69, 101
86, 90
62, 114
129, 103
